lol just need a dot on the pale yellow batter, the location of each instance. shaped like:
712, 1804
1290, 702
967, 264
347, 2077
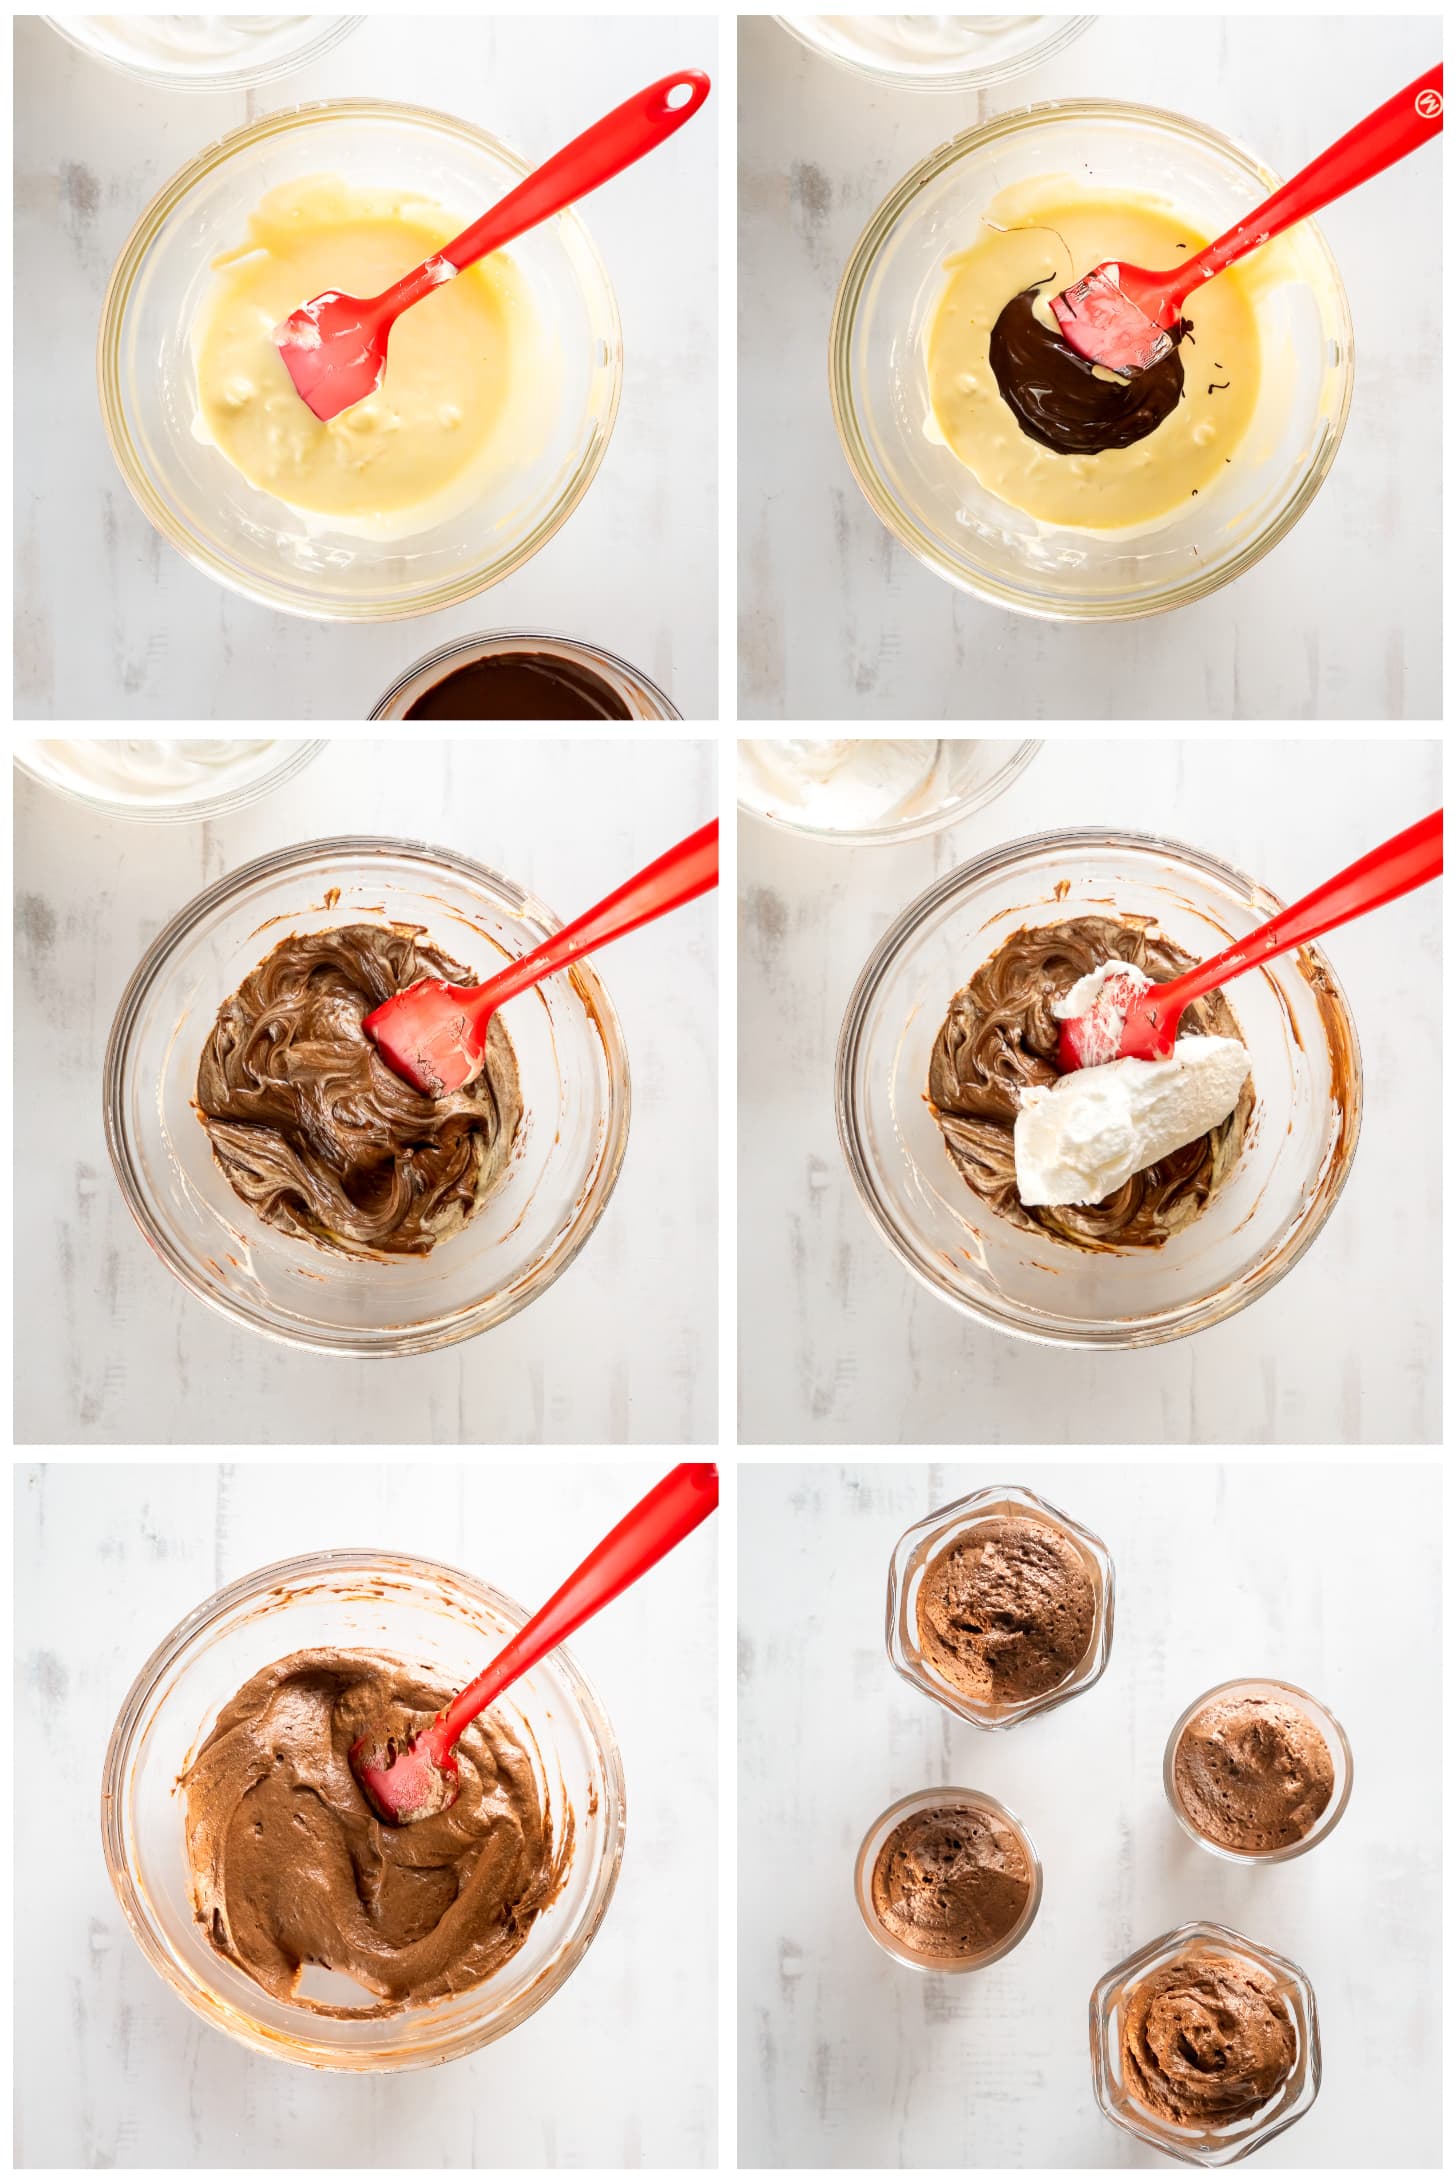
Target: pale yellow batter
1055, 229
457, 385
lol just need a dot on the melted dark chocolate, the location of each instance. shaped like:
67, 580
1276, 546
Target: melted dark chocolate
519, 686
1058, 398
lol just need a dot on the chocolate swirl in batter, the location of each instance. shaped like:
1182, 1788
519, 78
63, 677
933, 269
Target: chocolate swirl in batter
311, 1126
1062, 401
290, 1866
1000, 1035
1207, 2040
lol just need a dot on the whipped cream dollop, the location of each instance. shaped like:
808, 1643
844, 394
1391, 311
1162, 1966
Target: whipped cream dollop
841, 783
1080, 1139
145, 774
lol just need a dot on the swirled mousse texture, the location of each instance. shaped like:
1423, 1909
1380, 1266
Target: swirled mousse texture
1005, 1612
951, 1882
291, 1867
1253, 1774
1206, 2040
311, 1126
1000, 1036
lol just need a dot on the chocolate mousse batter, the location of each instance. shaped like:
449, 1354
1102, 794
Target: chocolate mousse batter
1000, 1035
291, 1867
951, 1882
1066, 403
1206, 2040
1005, 1612
311, 1126
1253, 1774
519, 686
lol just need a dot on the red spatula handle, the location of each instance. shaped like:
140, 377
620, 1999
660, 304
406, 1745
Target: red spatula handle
1401, 125
1408, 860
674, 878
631, 130
675, 1507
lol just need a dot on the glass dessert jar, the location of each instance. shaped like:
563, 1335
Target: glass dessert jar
918, 1548
1341, 1757
935, 506
430, 1616
1207, 2146
205, 52
975, 1801
627, 685
246, 539
188, 779
937, 52
1298, 1147
563, 1167
965, 775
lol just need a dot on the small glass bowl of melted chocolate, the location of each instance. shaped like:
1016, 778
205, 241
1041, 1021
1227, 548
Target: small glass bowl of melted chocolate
1297, 1144
516, 676
440, 1624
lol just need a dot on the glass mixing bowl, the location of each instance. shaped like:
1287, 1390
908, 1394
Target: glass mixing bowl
432, 1617
969, 773
574, 1083
205, 52
1297, 1149
888, 49
253, 543
643, 699
935, 506
186, 779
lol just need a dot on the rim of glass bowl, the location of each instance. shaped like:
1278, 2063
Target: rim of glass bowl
861, 265
1328, 1820
582, 645
299, 755
1068, 28
240, 76
341, 1342
137, 479
909, 830
256, 1584
1193, 1318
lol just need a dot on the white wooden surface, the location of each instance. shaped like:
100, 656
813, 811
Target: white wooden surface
110, 1348
839, 1343
112, 2070
1331, 1582
635, 569
1341, 621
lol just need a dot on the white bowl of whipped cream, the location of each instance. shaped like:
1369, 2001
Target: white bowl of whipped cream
863, 789
183, 777
937, 52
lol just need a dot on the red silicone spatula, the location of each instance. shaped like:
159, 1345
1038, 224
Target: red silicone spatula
335, 346
433, 1034
1119, 315
416, 1779
1132, 1018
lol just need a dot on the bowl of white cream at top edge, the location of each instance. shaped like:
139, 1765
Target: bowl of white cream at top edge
568, 383
865, 789
205, 52
937, 52
935, 505
186, 777
1298, 1146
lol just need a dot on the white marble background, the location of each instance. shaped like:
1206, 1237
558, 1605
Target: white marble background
1342, 621
838, 1342
846, 2059
112, 2070
113, 625
111, 1348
